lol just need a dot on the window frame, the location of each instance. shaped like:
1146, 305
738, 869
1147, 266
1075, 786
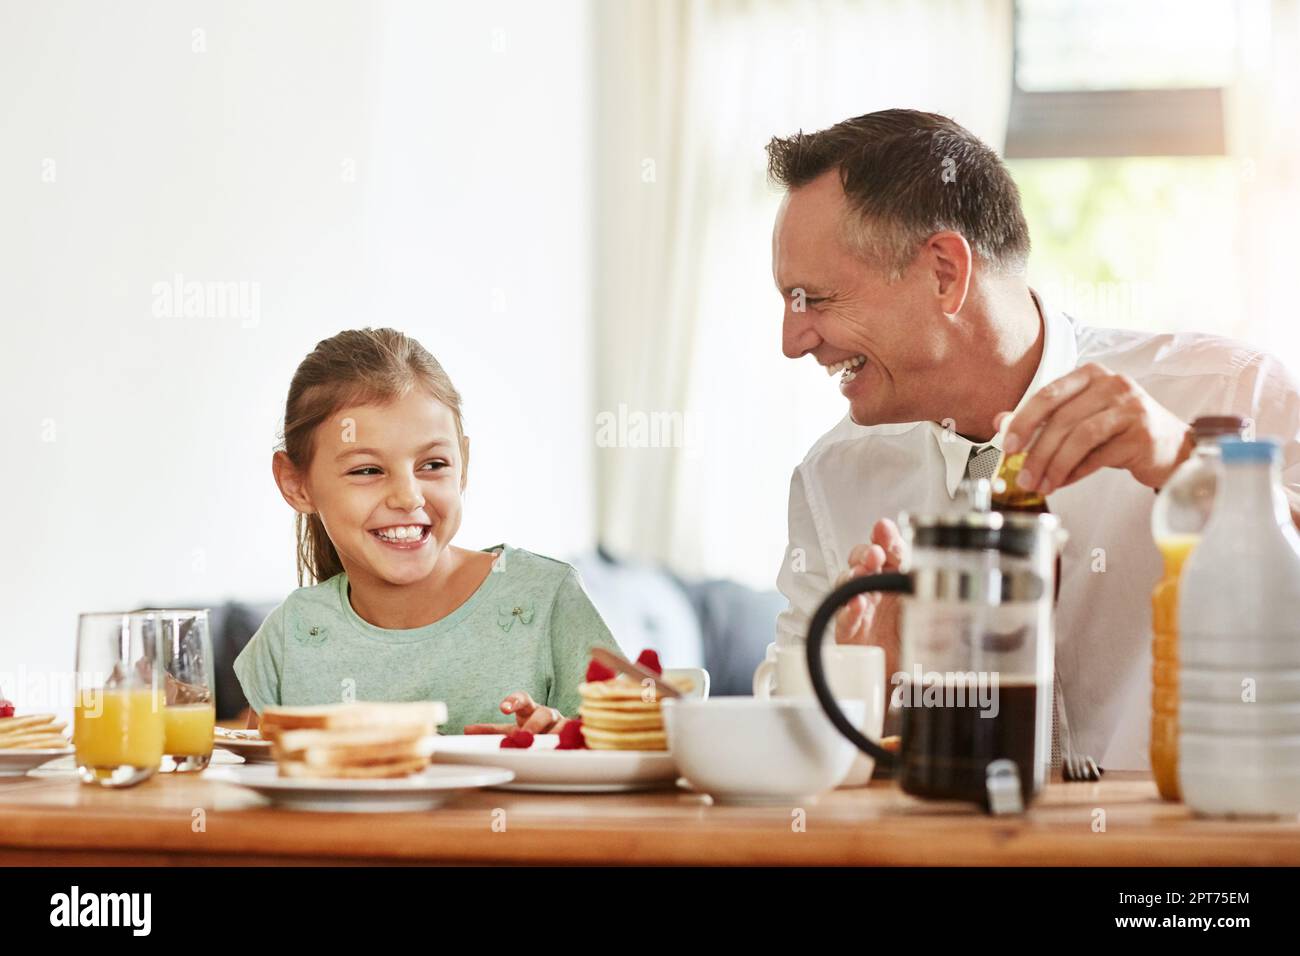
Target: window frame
1069, 124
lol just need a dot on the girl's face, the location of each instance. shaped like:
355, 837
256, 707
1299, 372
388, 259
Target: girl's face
386, 481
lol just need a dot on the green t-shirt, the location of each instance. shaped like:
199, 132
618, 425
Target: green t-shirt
529, 626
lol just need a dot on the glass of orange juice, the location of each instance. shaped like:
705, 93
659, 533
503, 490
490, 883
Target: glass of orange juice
190, 712
118, 710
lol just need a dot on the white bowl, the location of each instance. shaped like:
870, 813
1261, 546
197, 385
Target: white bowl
746, 750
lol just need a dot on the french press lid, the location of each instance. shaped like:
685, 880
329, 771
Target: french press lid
1020, 535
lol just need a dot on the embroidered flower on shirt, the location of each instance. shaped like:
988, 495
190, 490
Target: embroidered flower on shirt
510, 612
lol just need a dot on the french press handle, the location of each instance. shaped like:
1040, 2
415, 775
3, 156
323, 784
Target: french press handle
897, 583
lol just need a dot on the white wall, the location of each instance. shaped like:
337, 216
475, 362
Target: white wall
419, 165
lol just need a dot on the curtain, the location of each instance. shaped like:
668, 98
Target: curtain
699, 417
1263, 113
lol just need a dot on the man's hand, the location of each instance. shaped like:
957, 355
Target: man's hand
1092, 419
873, 618
529, 716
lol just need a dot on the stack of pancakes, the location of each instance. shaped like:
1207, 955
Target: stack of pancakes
621, 714
353, 741
33, 732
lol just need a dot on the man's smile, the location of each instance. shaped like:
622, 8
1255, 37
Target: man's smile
849, 367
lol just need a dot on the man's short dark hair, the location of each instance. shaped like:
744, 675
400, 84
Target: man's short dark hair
908, 175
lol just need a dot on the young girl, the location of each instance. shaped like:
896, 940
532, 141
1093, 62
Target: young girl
374, 463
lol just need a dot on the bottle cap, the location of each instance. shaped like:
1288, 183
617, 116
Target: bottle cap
1210, 426
1234, 449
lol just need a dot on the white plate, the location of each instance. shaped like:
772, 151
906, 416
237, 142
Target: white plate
236, 733
425, 790
16, 762
246, 743
543, 768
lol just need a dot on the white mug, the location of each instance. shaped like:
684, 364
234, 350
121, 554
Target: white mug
854, 671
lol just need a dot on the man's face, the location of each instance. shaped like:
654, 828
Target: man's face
892, 333
386, 481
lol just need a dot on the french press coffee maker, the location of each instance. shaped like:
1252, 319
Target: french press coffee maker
976, 659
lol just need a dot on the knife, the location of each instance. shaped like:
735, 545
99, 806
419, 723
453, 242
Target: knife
622, 665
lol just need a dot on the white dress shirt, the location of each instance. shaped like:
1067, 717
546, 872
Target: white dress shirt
856, 474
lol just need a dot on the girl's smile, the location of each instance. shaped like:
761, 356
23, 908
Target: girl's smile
407, 537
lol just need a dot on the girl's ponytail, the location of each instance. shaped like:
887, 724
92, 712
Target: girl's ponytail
317, 559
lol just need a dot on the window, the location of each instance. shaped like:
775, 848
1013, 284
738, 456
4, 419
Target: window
1118, 146
1089, 80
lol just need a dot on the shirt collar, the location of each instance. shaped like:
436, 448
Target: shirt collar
1060, 347
1060, 355
956, 453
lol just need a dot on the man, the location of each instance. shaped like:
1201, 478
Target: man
900, 250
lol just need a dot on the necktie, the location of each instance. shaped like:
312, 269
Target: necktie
983, 463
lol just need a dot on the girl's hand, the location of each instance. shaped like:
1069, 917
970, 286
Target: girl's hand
872, 618
529, 716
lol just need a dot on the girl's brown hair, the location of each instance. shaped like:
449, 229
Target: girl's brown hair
356, 367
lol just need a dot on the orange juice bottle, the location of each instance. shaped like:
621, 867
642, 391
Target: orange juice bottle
1009, 496
1181, 511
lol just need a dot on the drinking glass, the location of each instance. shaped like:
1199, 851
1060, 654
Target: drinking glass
190, 713
118, 709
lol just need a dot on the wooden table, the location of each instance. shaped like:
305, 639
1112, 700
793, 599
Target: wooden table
51, 818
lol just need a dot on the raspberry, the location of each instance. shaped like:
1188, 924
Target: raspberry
6, 708
571, 736
517, 740
650, 661
598, 671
